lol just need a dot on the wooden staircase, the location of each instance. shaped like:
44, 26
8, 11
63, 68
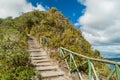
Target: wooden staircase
43, 63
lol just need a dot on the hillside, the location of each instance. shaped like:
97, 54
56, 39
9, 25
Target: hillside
59, 29
14, 63
51, 24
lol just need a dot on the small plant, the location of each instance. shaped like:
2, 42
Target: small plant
13, 55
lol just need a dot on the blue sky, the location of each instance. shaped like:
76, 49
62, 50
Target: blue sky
71, 9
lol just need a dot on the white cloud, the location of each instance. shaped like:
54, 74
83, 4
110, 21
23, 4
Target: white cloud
111, 48
101, 23
16, 7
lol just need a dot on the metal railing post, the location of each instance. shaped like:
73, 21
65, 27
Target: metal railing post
89, 70
46, 42
70, 62
113, 71
40, 40
117, 72
94, 71
80, 76
65, 59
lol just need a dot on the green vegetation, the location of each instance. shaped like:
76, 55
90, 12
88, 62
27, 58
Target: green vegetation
52, 24
13, 53
55, 26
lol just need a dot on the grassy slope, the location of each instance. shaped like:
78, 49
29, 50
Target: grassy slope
61, 32
59, 29
13, 53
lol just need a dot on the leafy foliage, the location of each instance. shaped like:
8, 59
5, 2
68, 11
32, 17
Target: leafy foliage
59, 29
52, 24
13, 53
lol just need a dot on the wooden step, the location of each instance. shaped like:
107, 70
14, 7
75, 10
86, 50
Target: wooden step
46, 68
43, 64
39, 58
35, 50
41, 61
37, 55
50, 74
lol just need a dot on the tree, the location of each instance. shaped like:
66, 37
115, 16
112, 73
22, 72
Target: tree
97, 53
53, 10
1, 20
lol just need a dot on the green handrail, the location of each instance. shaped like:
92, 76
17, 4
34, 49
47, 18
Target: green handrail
93, 59
91, 67
69, 58
44, 40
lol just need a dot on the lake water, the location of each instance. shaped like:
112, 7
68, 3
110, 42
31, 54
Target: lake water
113, 59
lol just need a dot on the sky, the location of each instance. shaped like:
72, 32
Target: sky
99, 20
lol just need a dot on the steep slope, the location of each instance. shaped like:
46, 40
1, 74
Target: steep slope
59, 30
43, 63
14, 63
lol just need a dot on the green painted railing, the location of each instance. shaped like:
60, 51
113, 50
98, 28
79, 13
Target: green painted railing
44, 40
65, 54
70, 60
